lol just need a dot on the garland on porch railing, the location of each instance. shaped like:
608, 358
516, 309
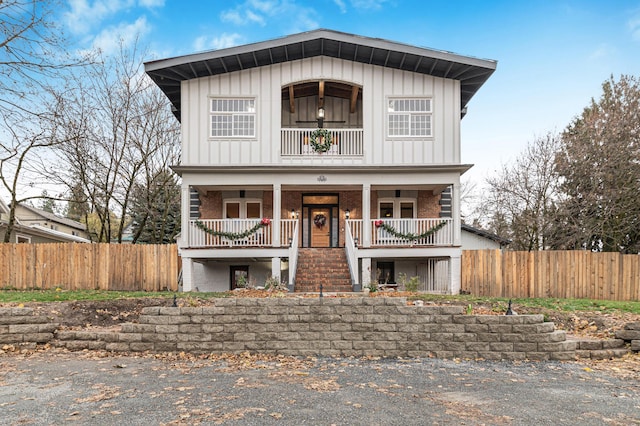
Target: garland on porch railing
234, 235
409, 236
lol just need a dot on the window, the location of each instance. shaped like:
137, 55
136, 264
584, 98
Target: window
397, 208
233, 118
409, 117
243, 209
386, 273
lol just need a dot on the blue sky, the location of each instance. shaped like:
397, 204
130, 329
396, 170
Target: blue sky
553, 55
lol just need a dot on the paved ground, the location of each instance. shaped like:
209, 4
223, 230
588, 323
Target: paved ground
58, 388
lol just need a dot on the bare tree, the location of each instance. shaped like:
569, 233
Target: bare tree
520, 201
33, 55
599, 164
120, 132
32, 51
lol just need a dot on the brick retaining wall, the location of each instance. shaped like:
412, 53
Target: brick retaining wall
357, 326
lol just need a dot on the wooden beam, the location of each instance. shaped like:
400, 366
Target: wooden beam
320, 93
354, 98
292, 103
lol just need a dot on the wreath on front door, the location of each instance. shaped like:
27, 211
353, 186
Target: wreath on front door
319, 220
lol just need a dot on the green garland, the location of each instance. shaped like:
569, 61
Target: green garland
410, 236
321, 140
234, 235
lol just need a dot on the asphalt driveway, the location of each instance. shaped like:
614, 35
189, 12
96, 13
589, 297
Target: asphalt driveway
82, 388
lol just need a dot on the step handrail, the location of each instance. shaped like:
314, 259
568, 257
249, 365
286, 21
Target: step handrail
293, 257
352, 255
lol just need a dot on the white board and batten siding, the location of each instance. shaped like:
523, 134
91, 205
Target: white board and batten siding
265, 84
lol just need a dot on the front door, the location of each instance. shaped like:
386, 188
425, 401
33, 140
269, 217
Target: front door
320, 227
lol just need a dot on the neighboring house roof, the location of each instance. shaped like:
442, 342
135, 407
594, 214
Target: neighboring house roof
485, 234
471, 72
55, 234
58, 219
4, 209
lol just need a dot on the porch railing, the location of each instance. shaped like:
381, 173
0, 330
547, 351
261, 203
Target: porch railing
344, 142
402, 227
235, 230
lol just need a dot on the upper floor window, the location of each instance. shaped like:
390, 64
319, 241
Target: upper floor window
409, 117
233, 117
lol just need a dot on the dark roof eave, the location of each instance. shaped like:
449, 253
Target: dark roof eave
471, 72
280, 168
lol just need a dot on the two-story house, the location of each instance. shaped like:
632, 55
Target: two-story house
320, 158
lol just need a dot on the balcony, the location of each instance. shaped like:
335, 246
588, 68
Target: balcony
237, 233
404, 232
295, 142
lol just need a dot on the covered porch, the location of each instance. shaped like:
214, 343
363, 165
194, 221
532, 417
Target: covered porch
273, 222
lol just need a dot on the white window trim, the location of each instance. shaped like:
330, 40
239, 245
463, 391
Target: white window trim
243, 206
25, 237
405, 137
234, 137
396, 206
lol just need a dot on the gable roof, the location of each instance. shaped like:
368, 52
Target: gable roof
485, 234
55, 218
471, 72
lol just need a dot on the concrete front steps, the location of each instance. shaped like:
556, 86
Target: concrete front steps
322, 266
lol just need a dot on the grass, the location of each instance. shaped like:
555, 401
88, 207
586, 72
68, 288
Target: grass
60, 295
498, 304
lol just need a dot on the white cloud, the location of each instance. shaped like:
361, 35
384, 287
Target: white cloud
151, 3
252, 12
110, 39
341, 4
83, 15
368, 4
602, 51
223, 41
634, 27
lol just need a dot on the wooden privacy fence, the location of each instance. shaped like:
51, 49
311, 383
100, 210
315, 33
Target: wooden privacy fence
561, 274
73, 266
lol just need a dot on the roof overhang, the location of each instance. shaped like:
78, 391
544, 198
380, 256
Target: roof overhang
472, 73
312, 169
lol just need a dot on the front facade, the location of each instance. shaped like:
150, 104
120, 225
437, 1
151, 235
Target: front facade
321, 144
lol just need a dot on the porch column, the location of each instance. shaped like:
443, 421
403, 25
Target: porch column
275, 224
187, 274
366, 219
456, 271
455, 212
186, 215
366, 272
275, 268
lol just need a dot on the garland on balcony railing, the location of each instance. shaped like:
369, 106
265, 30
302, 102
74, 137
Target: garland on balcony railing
234, 235
409, 236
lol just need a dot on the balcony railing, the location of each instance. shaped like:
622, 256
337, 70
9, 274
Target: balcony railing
406, 227
344, 142
262, 237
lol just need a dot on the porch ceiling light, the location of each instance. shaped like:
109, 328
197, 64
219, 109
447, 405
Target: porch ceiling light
321, 112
